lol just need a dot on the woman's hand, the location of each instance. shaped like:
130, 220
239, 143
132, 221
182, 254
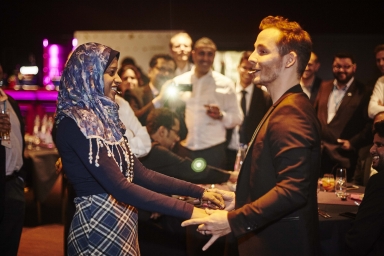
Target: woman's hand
213, 197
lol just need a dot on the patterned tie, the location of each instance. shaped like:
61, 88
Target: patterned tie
243, 107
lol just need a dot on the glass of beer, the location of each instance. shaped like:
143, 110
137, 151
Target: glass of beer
328, 182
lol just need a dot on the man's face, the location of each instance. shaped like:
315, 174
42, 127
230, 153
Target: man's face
311, 68
203, 58
169, 140
377, 153
380, 61
181, 48
243, 69
343, 70
162, 72
266, 60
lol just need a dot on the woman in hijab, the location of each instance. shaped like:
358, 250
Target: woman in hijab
108, 179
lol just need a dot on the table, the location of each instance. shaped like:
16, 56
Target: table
44, 173
332, 231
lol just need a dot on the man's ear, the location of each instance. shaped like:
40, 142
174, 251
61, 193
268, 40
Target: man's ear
291, 59
162, 131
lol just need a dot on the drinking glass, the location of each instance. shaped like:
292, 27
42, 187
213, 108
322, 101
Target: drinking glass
3, 110
328, 182
341, 182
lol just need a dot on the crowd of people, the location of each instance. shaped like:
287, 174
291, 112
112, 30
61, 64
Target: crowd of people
128, 140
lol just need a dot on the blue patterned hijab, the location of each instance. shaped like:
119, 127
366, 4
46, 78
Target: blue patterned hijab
81, 95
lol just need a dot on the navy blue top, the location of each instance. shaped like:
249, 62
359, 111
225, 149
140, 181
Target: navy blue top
87, 179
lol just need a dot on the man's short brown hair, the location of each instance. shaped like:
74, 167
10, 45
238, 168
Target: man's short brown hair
205, 42
293, 38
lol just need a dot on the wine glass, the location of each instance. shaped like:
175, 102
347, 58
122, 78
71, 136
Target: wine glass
341, 182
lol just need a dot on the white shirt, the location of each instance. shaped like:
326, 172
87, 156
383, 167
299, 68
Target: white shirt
212, 88
377, 95
14, 153
335, 99
137, 135
186, 68
234, 144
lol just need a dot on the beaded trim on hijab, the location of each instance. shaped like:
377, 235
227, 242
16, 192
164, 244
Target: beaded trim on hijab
81, 97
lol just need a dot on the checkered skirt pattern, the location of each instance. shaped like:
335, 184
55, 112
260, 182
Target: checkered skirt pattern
103, 226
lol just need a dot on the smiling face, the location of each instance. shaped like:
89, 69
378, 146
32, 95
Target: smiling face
162, 72
377, 152
343, 70
380, 61
266, 60
111, 80
128, 80
203, 58
311, 67
243, 69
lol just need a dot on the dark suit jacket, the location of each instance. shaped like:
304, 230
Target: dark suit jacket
315, 89
366, 237
276, 204
16, 108
164, 161
260, 103
351, 122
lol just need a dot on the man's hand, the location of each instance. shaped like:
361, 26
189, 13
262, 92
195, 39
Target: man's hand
216, 225
59, 166
213, 111
345, 144
228, 196
5, 123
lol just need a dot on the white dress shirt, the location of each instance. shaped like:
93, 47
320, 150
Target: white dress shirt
335, 99
377, 96
212, 88
186, 68
137, 135
14, 152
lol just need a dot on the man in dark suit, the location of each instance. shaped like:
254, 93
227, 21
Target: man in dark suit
309, 82
342, 108
12, 205
254, 101
163, 127
366, 237
276, 207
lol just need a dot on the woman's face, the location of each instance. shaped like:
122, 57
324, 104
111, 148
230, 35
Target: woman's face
111, 80
129, 80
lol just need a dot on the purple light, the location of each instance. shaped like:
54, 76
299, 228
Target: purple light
47, 79
74, 42
45, 42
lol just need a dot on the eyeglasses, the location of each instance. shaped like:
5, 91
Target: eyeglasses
176, 132
164, 70
338, 67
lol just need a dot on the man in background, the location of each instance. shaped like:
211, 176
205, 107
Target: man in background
210, 106
254, 101
341, 107
366, 236
12, 200
180, 47
309, 82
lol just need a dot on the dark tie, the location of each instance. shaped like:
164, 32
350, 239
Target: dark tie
243, 104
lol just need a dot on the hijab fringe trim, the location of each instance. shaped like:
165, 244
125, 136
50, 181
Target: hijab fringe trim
120, 146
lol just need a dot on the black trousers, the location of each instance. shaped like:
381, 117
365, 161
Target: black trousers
11, 225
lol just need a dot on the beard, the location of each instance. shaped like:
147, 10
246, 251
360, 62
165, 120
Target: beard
342, 78
269, 72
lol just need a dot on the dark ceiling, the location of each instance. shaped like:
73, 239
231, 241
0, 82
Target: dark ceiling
233, 25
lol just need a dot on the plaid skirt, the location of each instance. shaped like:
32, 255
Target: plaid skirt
103, 226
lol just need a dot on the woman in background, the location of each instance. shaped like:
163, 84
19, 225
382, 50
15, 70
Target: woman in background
108, 179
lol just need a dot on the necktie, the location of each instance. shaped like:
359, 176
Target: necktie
243, 107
